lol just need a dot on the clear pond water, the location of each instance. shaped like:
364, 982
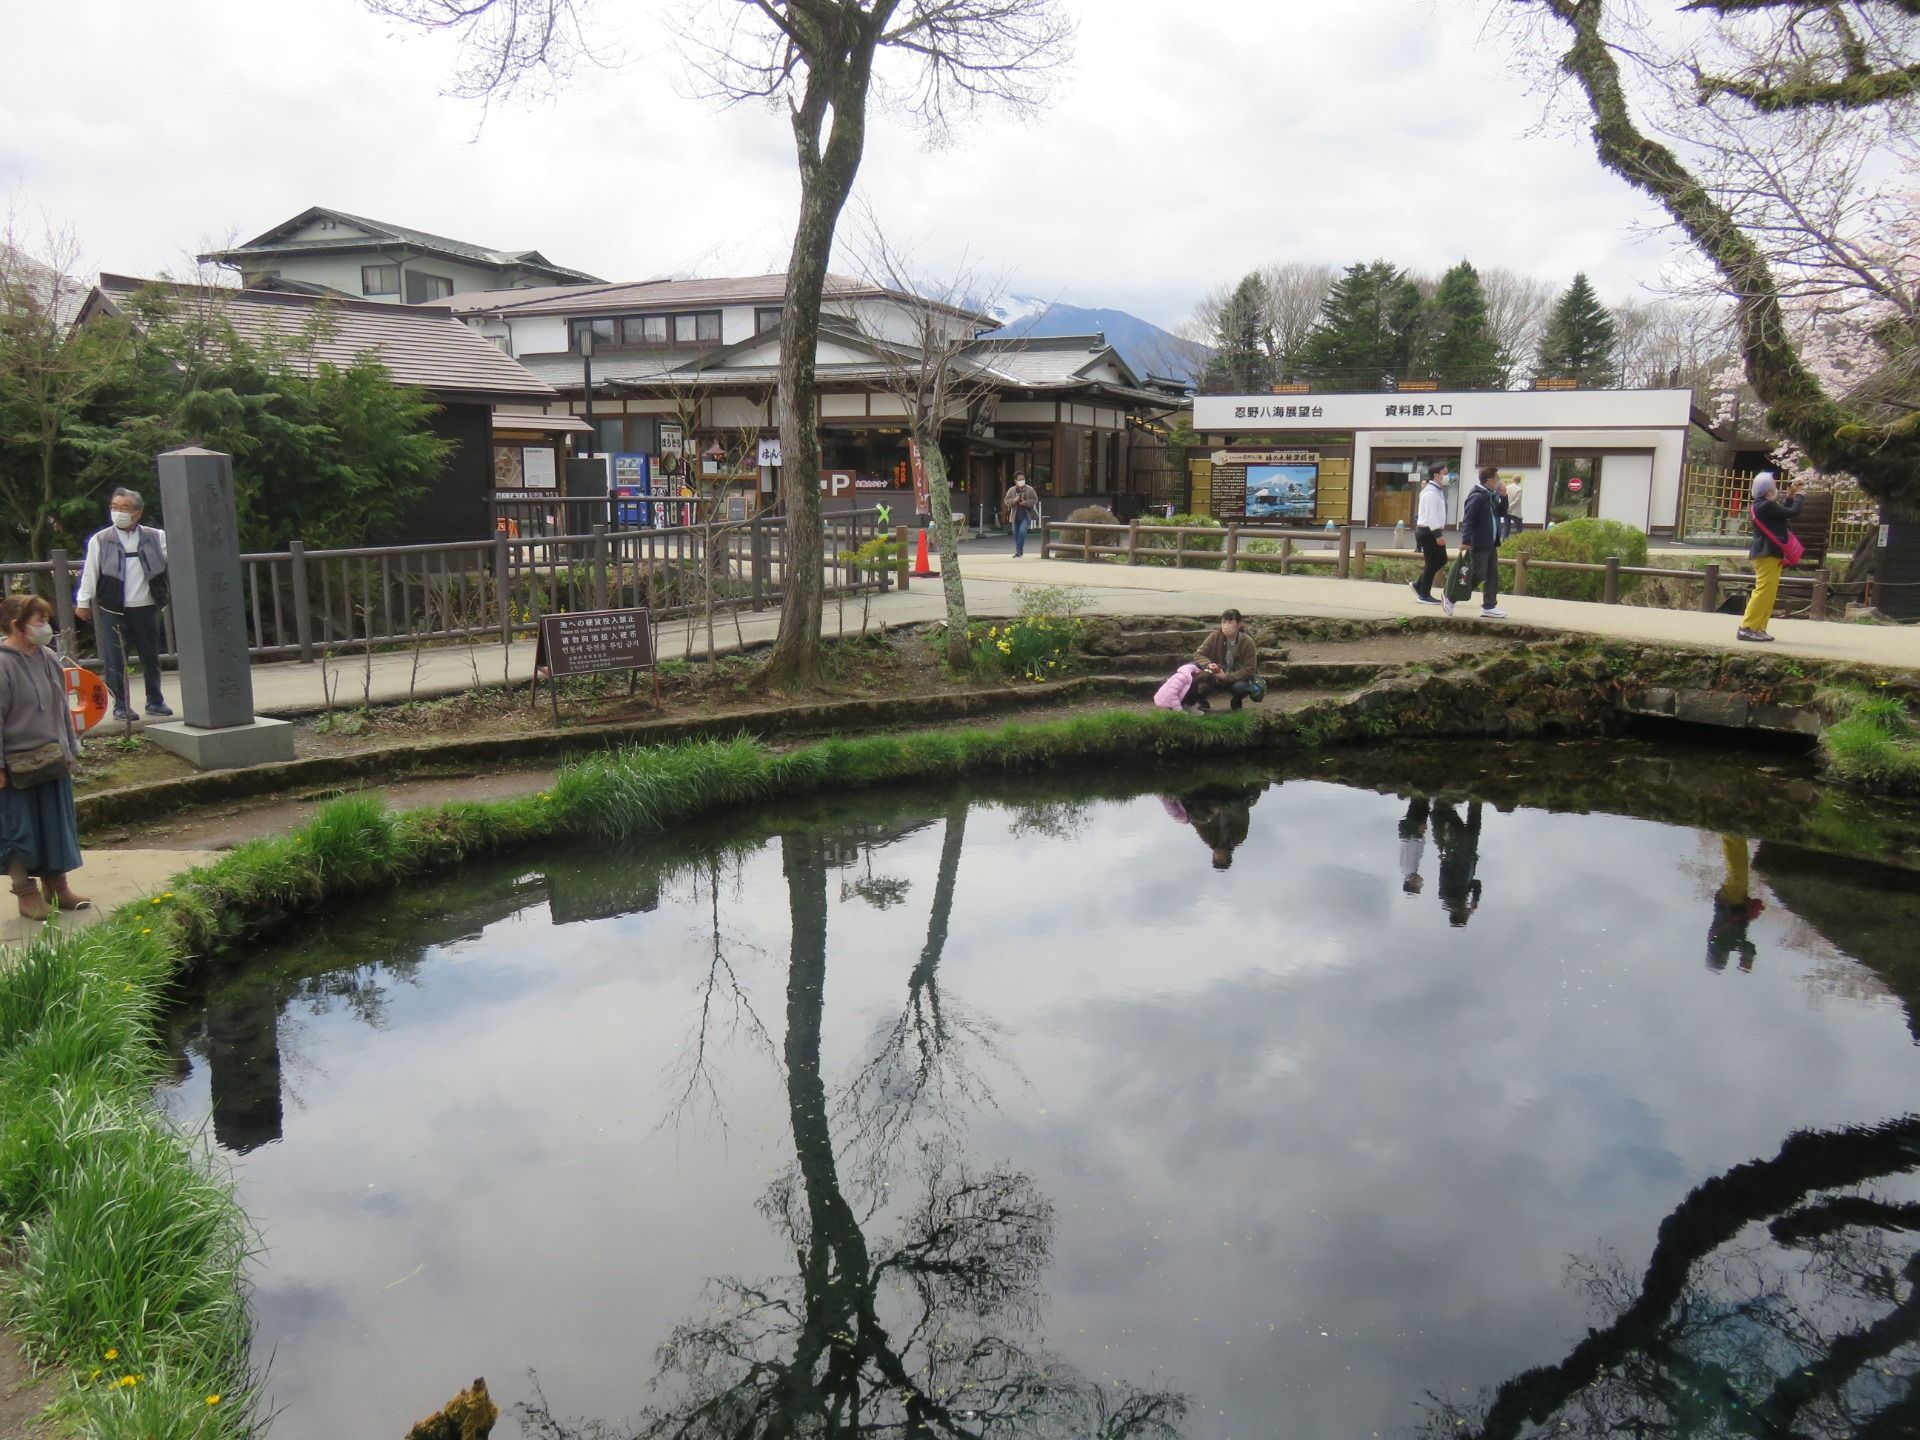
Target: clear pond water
999, 1112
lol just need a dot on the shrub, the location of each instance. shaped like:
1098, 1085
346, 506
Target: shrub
1088, 515
1153, 536
1033, 647
1587, 542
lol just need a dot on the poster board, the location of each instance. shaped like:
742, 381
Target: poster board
1283, 492
536, 468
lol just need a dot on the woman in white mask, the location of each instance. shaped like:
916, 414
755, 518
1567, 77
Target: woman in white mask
39, 837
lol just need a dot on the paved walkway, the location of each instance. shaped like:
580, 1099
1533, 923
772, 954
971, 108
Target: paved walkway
291, 688
1122, 589
109, 878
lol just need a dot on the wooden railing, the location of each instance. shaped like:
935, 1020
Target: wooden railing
1346, 555
302, 604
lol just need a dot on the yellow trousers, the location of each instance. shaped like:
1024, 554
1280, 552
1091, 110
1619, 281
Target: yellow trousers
1766, 586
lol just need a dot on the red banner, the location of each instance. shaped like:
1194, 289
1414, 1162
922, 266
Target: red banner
922, 502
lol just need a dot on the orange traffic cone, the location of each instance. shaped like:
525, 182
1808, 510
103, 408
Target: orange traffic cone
921, 568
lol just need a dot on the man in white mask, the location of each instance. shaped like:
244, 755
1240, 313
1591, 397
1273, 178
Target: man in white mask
125, 580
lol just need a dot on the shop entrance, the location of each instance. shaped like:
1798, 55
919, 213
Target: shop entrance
1573, 487
1397, 475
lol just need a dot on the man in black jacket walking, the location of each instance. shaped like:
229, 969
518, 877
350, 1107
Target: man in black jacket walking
1480, 538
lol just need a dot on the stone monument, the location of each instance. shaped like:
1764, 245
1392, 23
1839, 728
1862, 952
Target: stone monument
220, 730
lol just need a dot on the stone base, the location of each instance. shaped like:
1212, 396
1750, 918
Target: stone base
260, 742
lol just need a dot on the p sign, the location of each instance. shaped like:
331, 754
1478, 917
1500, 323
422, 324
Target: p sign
835, 483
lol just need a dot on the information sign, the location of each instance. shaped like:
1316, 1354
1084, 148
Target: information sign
592, 642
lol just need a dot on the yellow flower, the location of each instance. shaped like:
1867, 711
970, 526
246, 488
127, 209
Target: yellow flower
127, 1382
213, 1399
113, 1354
154, 901
167, 896
96, 1373
147, 930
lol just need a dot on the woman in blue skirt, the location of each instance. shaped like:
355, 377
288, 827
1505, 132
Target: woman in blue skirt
39, 838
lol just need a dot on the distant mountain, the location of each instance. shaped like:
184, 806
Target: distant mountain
1146, 347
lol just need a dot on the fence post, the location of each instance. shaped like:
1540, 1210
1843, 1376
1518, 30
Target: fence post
1286, 554
1610, 588
1346, 553
1520, 573
902, 568
1233, 549
62, 593
757, 561
502, 591
600, 564
1133, 542
1710, 588
1819, 611
1360, 558
1180, 533
302, 610
1046, 538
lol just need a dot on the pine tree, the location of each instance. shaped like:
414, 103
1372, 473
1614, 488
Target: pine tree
1578, 344
1463, 355
1367, 330
1243, 361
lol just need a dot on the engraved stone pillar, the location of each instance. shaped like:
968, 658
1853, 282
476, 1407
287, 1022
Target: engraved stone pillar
219, 730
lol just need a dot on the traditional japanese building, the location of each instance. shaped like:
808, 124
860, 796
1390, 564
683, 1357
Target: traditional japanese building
684, 373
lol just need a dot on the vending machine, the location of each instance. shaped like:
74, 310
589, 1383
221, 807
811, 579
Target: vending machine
632, 482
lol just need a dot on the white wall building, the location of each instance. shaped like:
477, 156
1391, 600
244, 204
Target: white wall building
1614, 454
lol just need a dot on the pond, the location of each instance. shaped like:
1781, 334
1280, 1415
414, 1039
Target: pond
1207, 1102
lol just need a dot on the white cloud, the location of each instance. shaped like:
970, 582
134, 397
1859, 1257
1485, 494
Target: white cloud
1183, 146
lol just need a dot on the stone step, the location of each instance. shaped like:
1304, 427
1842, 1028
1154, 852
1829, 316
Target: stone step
1289, 673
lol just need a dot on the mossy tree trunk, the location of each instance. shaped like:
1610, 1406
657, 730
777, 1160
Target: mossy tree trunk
1883, 455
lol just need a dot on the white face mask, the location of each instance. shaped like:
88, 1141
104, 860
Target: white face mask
124, 521
40, 633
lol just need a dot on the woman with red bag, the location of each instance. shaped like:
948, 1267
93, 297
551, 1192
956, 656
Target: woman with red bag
1772, 510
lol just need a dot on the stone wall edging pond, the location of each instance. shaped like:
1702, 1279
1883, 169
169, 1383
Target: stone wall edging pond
121, 970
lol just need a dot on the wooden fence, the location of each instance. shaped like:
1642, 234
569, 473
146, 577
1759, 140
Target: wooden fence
1344, 555
301, 603
1715, 505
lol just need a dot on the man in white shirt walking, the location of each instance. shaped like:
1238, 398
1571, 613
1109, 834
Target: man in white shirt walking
125, 581
1429, 525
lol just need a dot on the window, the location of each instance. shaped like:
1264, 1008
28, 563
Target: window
700, 329
602, 333
766, 319
1510, 454
643, 330
379, 279
423, 286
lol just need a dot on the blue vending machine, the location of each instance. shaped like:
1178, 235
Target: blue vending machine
632, 481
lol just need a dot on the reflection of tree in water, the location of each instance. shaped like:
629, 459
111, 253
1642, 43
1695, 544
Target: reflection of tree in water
1053, 819
926, 1331
1782, 1300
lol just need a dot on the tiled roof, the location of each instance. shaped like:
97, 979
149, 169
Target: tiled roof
664, 294
380, 230
420, 345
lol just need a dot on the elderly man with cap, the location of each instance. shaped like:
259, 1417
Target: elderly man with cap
1773, 509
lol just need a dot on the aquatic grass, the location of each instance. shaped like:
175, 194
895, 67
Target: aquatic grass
1871, 742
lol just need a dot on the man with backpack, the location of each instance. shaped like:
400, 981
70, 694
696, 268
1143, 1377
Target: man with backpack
125, 580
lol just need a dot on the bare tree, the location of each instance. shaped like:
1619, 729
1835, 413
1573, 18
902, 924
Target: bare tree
939, 374
822, 60
1517, 310
1296, 289
1765, 74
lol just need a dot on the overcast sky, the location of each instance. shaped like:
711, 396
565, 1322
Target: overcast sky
1185, 144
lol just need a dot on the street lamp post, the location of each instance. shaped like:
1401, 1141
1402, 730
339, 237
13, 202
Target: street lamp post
586, 360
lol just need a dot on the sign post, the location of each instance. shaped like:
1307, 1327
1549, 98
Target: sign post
593, 642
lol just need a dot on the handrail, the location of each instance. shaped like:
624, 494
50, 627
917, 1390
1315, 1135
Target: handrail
1340, 548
